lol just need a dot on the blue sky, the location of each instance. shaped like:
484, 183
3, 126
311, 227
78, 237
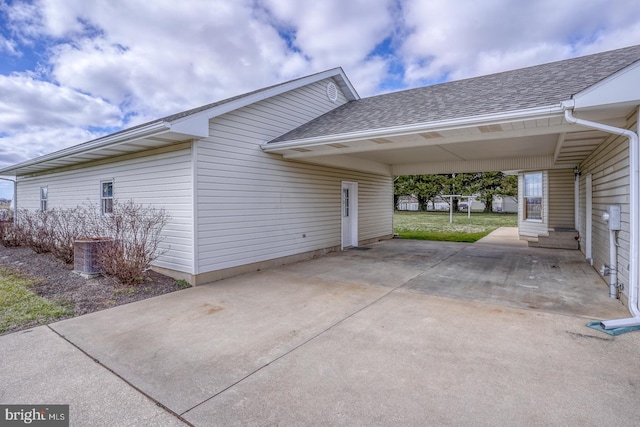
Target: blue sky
74, 70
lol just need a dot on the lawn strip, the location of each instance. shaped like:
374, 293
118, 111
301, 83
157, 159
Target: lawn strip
19, 305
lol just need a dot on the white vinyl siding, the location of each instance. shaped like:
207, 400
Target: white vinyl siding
561, 198
254, 206
161, 178
609, 167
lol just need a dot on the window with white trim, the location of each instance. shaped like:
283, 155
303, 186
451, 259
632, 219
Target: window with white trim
44, 198
106, 197
533, 196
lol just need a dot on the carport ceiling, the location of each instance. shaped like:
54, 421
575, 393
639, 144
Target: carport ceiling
541, 142
472, 150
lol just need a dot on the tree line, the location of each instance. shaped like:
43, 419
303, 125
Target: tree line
484, 185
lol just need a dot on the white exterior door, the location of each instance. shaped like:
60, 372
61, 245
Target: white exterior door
349, 214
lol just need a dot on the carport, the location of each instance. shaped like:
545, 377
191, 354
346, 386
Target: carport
567, 125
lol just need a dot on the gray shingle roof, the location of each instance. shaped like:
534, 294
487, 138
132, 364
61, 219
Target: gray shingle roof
538, 86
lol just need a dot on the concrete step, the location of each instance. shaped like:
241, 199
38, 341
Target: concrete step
559, 238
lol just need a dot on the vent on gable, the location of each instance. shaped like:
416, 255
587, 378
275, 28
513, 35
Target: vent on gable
332, 92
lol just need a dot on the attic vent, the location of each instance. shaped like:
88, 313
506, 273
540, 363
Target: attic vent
382, 141
332, 92
338, 145
301, 150
490, 128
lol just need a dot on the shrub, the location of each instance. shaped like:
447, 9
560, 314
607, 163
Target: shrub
65, 226
136, 236
35, 228
54, 230
10, 235
134, 232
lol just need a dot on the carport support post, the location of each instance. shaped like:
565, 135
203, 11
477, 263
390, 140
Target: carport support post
469, 203
450, 196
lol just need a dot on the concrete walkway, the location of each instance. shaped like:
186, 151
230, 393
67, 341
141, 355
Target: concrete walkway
40, 367
399, 332
504, 236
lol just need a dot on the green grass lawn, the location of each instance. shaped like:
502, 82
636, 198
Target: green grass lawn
19, 305
436, 226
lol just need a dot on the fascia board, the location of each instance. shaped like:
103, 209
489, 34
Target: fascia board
435, 126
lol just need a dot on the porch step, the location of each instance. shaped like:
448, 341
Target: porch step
558, 238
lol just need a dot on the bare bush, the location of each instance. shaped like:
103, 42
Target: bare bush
52, 230
135, 231
6, 215
35, 228
65, 226
10, 235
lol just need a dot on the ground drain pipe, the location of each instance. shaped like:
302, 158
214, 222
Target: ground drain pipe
634, 161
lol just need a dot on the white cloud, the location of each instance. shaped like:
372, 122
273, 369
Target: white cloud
484, 37
172, 57
26, 101
339, 33
8, 46
16, 147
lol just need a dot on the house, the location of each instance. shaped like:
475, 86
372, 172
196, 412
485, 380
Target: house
407, 203
508, 204
306, 166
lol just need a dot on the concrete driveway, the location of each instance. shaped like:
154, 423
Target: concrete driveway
399, 332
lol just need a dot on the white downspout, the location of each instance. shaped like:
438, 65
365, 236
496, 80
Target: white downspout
633, 212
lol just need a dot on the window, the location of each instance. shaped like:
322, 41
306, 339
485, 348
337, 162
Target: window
44, 197
106, 197
533, 196
345, 196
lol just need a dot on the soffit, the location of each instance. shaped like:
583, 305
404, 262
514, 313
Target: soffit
159, 140
551, 138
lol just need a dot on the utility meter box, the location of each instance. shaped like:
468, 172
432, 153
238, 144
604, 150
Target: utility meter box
612, 217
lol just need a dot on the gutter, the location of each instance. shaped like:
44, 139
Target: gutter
634, 187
